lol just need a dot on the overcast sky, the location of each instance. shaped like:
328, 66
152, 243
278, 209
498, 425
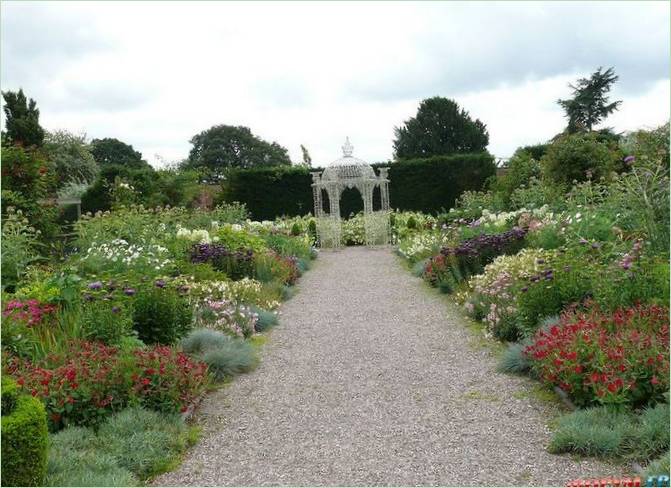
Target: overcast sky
154, 74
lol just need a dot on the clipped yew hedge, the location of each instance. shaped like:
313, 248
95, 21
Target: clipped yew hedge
427, 185
24, 438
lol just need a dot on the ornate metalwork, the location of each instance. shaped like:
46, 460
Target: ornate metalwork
350, 172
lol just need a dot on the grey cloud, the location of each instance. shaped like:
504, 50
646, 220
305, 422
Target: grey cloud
281, 92
104, 95
510, 45
39, 39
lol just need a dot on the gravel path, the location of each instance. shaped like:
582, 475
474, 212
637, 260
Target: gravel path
373, 379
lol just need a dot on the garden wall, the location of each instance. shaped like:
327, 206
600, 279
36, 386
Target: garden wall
427, 185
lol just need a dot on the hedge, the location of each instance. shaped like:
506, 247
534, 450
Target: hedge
427, 185
24, 439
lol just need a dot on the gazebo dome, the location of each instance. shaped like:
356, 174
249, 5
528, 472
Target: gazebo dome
348, 167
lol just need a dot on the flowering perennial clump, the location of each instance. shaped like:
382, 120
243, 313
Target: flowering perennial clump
622, 357
119, 252
91, 380
31, 312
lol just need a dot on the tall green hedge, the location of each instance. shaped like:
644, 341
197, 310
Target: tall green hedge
24, 438
428, 185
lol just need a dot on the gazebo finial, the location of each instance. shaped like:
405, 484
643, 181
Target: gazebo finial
347, 148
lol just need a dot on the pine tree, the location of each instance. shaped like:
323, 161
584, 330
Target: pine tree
22, 120
590, 104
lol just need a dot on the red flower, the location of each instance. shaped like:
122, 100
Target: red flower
654, 380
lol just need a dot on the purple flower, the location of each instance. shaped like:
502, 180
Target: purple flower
160, 283
115, 309
629, 159
583, 241
129, 292
96, 285
524, 289
596, 245
88, 298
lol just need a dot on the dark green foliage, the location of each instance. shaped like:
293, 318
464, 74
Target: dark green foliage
22, 120
440, 128
28, 178
536, 151
111, 151
271, 192
427, 185
521, 168
10, 393
24, 440
106, 322
312, 229
605, 431
296, 229
589, 104
160, 315
223, 147
307, 160
132, 445
98, 197
579, 157
174, 188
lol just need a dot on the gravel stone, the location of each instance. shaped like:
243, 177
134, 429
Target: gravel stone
371, 378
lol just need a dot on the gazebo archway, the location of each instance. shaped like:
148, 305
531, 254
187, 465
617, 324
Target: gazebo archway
350, 172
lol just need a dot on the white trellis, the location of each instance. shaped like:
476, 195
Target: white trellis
350, 172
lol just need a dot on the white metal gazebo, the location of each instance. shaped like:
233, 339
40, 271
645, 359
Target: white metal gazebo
350, 172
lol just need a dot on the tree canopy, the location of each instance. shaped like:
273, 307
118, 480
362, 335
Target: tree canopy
22, 120
113, 151
71, 157
439, 128
590, 103
223, 147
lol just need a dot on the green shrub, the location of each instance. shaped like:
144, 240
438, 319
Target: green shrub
24, 439
160, 315
523, 166
10, 393
105, 321
579, 157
